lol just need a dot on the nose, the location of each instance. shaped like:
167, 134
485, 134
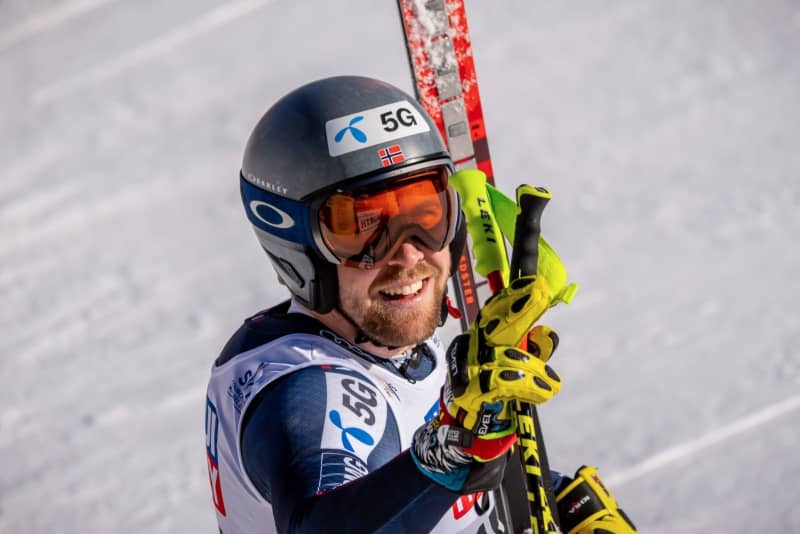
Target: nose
407, 256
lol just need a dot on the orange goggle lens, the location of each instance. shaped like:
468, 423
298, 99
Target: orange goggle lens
361, 227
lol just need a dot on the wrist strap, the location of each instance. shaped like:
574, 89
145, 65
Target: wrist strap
483, 450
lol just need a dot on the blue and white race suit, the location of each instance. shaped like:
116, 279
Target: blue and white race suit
308, 433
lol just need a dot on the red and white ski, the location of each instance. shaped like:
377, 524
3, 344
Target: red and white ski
442, 65
440, 55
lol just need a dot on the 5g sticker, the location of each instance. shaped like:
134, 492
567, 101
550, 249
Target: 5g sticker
355, 417
360, 402
392, 120
373, 126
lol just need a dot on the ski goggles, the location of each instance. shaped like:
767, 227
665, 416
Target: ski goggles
360, 227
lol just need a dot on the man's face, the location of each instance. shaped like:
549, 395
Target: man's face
399, 301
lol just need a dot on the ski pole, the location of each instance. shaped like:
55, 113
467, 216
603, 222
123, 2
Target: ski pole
527, 502
524, 262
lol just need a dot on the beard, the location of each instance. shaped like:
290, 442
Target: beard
393, 326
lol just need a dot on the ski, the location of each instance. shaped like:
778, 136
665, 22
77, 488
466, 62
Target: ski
440, 57
442, 66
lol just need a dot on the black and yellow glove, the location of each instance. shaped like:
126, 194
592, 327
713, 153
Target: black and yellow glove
464, 448
487, 371
585, 506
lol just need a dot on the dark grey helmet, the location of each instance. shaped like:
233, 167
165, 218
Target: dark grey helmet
334, 133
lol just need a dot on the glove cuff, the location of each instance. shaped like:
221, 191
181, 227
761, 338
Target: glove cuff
438, 458
586, 500
455, 458
482, 450
578, 505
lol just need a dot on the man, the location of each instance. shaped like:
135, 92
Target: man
337, 411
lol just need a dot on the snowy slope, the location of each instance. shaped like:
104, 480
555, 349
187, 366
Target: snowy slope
666, 130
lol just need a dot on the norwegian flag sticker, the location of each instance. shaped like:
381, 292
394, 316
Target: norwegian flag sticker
391, 155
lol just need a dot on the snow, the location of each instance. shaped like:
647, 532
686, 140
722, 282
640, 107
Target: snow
666, 131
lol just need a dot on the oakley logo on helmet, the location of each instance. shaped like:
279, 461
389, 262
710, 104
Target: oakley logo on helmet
375, 126
358, 135
284, 222
264, 184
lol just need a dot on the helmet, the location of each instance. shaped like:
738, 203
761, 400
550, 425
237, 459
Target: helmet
337, 134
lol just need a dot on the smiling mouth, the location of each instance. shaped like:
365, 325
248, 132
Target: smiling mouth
404, 292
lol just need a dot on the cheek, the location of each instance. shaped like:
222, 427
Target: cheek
354, 280
442, 260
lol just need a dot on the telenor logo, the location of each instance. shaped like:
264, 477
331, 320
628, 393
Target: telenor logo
350, 431
358, 135
382, 125
284, 219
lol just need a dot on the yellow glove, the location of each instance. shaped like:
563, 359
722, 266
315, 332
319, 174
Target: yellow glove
542, 342
487, 371
464, 448
585, 506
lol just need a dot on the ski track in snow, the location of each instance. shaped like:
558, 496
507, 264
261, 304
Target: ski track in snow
149, 50
684, 451
667, 133
46, 20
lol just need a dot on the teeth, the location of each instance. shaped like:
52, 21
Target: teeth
405, 290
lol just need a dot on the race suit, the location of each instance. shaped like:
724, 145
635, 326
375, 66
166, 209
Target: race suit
306, 432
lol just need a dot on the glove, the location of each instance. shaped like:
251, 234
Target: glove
465, 447
487, 371
585, 506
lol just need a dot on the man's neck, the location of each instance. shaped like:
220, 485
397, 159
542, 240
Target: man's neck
342, 326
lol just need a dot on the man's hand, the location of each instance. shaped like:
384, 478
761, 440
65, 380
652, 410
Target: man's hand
487, 371
585, 506
464, 448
